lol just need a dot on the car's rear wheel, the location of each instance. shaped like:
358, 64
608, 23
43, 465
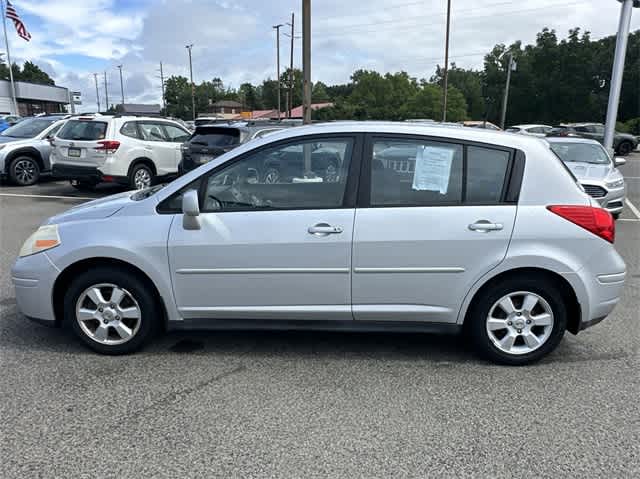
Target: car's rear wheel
110, 310
24, 171
625, 148
518, 321
141, 177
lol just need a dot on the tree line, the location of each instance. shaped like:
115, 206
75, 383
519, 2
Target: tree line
556, 80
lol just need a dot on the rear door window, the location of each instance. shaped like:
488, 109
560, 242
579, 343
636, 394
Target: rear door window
83, 130
486, 171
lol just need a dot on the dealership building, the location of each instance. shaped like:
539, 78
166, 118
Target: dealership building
33, 98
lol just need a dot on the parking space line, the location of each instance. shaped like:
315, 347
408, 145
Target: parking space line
627, 220
18, 195
633, 208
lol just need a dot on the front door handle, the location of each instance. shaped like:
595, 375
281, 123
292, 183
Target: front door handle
484, 226
324, 229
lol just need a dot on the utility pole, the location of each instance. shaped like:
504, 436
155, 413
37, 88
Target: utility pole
618, 71
164, 101
106, 92
290, 99
277, 29
446, 64
121, 87
505, 100
306, 61
193, 87
95, 77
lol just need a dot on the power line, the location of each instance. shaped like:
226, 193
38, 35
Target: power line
413, 26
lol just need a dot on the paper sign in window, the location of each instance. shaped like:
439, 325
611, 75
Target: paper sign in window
433, 169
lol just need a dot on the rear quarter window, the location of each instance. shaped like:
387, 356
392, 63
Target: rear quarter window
83, 130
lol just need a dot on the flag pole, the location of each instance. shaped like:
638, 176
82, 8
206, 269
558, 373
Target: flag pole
6, 42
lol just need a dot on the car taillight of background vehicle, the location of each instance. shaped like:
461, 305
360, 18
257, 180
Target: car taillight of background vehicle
110, 146
596, 220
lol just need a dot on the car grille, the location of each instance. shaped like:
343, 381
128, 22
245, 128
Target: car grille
595, 191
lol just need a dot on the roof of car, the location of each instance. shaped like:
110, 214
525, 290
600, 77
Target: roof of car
572, 125
532, 125
571, 139
479, 135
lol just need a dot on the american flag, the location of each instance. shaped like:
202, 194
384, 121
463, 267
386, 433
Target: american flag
20, 28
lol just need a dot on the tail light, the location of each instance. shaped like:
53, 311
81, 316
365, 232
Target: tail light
596, 220
110, 146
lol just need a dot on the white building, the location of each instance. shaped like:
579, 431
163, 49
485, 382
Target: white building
33, 98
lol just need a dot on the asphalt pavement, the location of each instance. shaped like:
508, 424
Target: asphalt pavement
275, 404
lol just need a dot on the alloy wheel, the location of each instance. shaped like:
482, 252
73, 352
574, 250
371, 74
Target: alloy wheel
331, 173
272, 176
110, 321
142, 179
25, 171
520, 322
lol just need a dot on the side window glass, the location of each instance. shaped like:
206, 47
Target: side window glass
306, 174
486, 170
175, 134
581, 129
54, 130
151, 131
129, 129
416, 173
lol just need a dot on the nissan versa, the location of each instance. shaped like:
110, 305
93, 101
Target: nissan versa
421, 228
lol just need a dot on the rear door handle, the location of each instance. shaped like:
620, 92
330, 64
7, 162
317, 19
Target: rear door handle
324, 229
485, 226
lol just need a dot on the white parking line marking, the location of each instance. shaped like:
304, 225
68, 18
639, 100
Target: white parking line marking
632, 208
17, 195
628, 220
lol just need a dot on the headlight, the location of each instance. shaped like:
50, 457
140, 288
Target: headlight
615, 183
46, 237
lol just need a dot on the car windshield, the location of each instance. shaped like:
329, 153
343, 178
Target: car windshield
212, 136
581, 153
29, 128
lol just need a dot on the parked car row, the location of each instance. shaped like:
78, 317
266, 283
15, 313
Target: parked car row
416, 228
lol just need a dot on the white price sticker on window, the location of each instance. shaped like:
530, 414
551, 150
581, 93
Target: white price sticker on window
433, 169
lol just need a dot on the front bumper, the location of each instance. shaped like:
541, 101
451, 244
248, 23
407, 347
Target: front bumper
33, 278
613, 201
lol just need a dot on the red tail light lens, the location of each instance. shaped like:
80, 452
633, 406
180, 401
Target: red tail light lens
596, 220
108, 145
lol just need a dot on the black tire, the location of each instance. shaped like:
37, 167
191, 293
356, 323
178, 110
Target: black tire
83, 185
625, 148
615, 215
141, 169
476, 322
24, 171
138, 289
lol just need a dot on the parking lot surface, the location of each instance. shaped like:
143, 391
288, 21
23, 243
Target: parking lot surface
308, 404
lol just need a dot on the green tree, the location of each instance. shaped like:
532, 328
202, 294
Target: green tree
32, 73
178, 97
319, 93
469, 83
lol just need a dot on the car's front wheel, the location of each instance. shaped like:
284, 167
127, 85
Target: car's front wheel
24, 171
518, 321
625, 148
111, 310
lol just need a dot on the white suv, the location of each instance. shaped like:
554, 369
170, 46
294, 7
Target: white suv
120, 149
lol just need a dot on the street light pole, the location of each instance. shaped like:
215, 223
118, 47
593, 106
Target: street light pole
306, 61
618, 71
505, 100
446, 64
121, 87
106, 92
290, 100
193, 88
277, 29
95, 78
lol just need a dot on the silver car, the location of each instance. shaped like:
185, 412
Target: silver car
485, 232
595, 170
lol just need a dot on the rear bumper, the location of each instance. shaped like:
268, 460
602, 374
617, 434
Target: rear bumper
88, 174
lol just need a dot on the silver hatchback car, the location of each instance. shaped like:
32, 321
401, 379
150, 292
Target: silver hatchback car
421, 229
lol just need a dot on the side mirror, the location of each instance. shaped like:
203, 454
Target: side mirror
619, 161
190, 210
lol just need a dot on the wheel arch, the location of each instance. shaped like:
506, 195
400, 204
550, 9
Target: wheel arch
24, 151
145, 161
574, 311
64, 278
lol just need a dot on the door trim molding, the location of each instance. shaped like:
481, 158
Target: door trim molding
262, 270
451, 269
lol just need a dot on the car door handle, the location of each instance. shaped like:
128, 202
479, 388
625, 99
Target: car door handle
324, 229
485, 226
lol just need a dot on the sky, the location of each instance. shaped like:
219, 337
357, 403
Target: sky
234, 39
